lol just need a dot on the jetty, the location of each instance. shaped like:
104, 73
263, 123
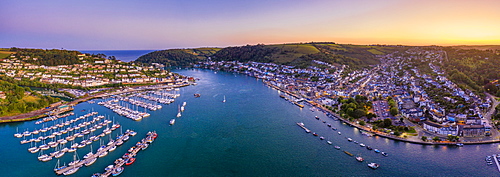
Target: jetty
301, 125
496, 161
60, 171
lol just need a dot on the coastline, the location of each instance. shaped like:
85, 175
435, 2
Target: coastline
377, 133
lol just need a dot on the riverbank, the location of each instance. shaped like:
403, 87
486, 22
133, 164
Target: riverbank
41, 113
375, 132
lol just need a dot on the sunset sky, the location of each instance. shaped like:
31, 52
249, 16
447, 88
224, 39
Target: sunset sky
163, 24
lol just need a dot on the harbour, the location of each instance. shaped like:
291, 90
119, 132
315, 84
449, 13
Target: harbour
253, 132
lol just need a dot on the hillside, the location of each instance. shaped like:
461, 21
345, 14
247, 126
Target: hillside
474, 68
298, 54
177, 57
477, 47
15, 99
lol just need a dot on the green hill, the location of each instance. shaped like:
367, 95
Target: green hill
177, 57
298, 54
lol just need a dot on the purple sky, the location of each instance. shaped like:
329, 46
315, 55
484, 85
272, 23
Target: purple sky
162, 24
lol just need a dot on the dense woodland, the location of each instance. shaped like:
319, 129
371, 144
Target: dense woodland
173, 57
256, 53
21, 99
474, 69
47, 57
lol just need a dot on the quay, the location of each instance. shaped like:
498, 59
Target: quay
378, 133
292, 101
76, 166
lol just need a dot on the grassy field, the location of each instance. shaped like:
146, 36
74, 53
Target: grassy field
333, 47
289, 52
30, 99
5, 54
375, 52
202, 53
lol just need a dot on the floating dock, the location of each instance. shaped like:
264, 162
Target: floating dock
301, 125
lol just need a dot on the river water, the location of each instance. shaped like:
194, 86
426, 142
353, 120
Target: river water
254, 133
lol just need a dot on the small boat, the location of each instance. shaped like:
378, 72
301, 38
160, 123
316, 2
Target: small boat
315, 134
90, 161
460, 144
321, 138
359, 158
112, 148
117, 171
385, 154
172, 121
71, 171
340, 133
369, 148
329, 125
349, 139
224, 100
197, 95
337, 147
145, 146
329, 142
348, 153
333, 128
109, 167
376, 150
316, 117
103, 153
18, 135
362, 145
130, 161
373, 165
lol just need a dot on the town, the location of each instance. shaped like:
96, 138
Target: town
99, 73
428, 102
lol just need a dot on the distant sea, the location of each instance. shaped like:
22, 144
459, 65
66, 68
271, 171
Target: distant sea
123, 55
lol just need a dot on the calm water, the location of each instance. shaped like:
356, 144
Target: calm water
123, 55
252, 134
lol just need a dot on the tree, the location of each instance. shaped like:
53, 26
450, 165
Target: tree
358, 113
452, 138
436, 138
387, 123
424, 138
394, 111
362, 123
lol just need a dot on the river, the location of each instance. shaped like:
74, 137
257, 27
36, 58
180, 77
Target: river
254, 133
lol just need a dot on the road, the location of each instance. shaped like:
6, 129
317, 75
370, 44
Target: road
489, 114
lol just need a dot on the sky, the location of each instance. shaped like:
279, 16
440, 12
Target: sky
166, 24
